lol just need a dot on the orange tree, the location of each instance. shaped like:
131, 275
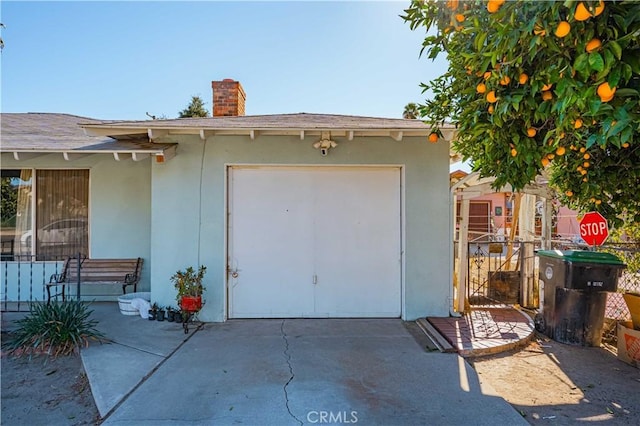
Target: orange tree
539, 86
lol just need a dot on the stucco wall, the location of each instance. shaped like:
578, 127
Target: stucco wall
189, 207
119, 211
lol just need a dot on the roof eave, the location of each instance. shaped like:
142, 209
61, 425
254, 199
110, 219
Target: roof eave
162, 153
120, 132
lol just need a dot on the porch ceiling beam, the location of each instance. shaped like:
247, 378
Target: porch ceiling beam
69, 156
122, 156
22, 156
156, 133
139, 156
396, 136
169, 153
204, 134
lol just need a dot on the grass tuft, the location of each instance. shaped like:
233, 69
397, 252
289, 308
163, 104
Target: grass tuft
53, 329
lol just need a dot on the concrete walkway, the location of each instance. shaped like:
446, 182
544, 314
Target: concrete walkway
281, 372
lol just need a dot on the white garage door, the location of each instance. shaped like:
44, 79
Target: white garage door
314, 242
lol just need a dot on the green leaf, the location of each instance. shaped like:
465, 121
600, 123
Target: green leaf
627, 92
594, 106
615, 48
581, 63
479, 41
596, 62
614, 77
626, 135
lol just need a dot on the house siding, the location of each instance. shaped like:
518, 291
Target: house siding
119, 211
188, 205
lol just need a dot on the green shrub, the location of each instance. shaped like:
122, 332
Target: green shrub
53, 329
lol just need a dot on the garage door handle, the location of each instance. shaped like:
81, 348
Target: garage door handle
233, 272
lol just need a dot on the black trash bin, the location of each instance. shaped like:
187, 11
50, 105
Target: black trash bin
575, 284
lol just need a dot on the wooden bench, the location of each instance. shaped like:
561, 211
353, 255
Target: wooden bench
125, 272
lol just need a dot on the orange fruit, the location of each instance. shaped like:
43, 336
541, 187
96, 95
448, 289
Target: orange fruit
550, 156
539, 30
625, 145
607, 99
487, 75
531, 132
491, 97
493, 6
582, 13
562, 29
583, 172
584, 179
599, 8
490, 109
561, 150
583, 149
586, 156
481, 88
569, 193
577, 124
545, 162
547, 87
586, 164
459, 17
593, 44
433, 137
514, 152
547, 95
605, 92
505, 80
523, 78
452, 4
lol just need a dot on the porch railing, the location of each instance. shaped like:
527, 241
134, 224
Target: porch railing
23, 279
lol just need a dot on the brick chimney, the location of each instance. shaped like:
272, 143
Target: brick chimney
228, 98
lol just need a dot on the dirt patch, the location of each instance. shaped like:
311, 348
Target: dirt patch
554, 383
46, 391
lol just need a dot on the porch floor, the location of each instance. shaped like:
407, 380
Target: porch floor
485, 331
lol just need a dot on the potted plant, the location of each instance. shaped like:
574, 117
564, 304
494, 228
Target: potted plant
160, 313
152, 312
188, 283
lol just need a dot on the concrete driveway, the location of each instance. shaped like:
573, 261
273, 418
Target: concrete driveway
293, 372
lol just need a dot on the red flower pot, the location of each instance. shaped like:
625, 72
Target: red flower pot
191, 303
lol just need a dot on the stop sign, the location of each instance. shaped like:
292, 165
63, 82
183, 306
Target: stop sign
594, 229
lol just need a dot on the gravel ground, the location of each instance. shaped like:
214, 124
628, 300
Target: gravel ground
554, 383
46, 391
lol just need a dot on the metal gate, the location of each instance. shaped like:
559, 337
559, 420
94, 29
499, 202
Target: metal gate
494, 277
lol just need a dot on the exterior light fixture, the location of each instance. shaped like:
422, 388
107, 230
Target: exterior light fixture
325, 143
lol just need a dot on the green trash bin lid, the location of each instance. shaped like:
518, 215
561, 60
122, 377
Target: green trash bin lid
582, 256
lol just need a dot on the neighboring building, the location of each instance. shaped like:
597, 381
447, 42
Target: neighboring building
492, 215
295, 215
